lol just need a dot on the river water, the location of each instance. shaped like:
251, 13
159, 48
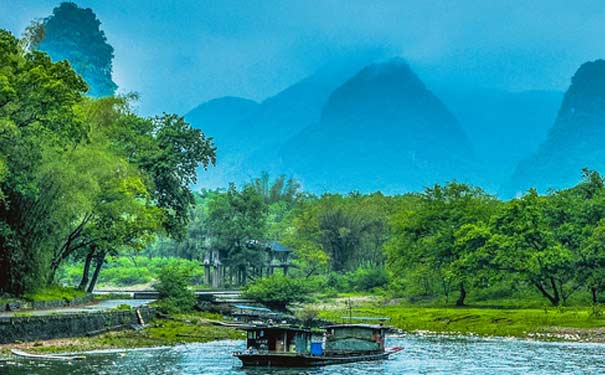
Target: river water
423, 354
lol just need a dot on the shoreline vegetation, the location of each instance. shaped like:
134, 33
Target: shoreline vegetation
574, 323
570, 324
179, 329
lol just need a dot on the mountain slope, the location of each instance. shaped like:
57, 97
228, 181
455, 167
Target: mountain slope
220, 119
503, 127
252, 144
381, 130
577, 139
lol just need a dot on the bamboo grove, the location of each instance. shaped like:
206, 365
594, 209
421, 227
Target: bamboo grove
82, 178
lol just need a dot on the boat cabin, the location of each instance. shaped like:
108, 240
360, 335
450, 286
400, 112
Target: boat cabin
279, 340
354, 338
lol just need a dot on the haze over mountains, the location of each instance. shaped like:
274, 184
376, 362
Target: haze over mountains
377, 126
577, 139
380, 130
363, 124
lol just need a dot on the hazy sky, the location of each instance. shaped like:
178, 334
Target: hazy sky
180, 53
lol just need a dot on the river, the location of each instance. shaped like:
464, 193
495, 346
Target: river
423, 354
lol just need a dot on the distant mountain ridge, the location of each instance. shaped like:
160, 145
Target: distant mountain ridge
255, 138
577, 139
220, 119
376, 126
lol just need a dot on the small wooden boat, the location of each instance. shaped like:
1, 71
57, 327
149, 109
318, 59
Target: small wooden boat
296, 347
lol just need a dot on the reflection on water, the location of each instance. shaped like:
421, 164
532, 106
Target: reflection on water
423, 355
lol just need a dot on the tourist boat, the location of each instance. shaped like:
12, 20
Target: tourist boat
282, 346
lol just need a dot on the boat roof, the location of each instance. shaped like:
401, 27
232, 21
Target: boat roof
252, 308
277, 328
356, 325
367, 318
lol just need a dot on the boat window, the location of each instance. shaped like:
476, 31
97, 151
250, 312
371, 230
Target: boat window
251, 334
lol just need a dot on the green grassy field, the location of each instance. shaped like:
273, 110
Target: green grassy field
485, 319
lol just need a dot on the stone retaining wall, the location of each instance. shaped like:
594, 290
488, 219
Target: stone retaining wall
46, 327
17, 305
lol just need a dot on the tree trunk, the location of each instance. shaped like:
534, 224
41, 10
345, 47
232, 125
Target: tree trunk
554, 299
86, 271
95, 275
462, 297
595, 299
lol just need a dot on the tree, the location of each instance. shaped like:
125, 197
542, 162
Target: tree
427, 234
38, 121
131, 201
236, 223
279, 190
524, 243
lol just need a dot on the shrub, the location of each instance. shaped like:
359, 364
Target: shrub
173, 286
366, 279
277, 291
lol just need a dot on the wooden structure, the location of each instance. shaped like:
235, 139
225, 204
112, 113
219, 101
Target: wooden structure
218, 275
279, 257
213, 269
278, 339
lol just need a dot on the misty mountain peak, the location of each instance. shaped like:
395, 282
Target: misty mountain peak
576, 139
381, 129
587, 91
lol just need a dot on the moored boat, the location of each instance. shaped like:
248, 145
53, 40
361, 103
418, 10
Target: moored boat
282, 346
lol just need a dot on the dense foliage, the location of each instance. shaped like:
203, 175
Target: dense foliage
83, 178
450, 241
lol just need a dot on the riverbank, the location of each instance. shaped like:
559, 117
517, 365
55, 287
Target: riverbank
549, 323
180, 329
585, 324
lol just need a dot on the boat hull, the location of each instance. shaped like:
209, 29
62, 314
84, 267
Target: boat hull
302, 360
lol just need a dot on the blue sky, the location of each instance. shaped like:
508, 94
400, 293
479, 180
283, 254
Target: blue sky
180, 53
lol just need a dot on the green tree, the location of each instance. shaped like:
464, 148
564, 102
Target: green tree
524, 243
427, 234
237, 228
38, 122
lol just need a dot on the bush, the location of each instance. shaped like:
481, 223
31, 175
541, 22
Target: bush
360, 280
366, 279
173, 286
278, 291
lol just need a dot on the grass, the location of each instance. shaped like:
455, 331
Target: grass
53, 294
185, 328
481, 320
